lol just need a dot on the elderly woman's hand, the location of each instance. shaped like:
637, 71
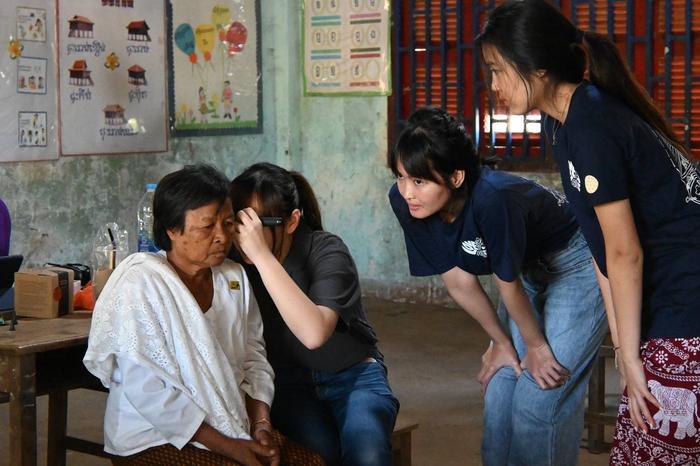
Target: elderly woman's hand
249, 235
250, 452
246, 452
265, 438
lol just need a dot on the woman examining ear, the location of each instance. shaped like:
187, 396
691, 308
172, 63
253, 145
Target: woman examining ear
461, 220
331, 389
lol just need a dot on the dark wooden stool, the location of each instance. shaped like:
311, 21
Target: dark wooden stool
401, 442
597, 415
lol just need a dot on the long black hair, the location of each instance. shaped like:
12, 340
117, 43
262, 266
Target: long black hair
431, 146
279, 192
533, 35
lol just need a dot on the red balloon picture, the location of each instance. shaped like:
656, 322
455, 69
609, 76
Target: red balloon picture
236, 38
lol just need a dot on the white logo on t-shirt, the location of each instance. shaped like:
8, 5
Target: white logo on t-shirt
689, 174
561, 199
475, 248
575, 180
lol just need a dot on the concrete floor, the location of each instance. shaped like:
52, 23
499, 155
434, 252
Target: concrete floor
433, 354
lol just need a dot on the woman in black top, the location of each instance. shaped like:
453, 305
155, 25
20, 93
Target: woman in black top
637, 199
461, 220
331, 388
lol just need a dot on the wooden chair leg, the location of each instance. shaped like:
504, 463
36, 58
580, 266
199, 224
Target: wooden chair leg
596, 407
401, 443
58, 417
405, 450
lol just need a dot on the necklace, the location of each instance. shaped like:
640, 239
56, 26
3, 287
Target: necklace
558, 123
555, 128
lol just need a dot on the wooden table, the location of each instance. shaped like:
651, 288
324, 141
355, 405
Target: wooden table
39, 357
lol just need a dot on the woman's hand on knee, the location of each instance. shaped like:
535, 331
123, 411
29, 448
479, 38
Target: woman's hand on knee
497, 355
544, 368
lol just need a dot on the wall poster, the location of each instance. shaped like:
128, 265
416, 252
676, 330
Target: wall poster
111, 65
29, 128
346, 47
215, 81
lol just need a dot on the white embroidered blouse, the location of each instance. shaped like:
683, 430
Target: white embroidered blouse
168, 365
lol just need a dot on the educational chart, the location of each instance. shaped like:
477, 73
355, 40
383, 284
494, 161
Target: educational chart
29, 129
215, 67
112, 62
346, 47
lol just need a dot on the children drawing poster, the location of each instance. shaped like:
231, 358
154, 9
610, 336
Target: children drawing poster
29, 129
215, 81
346, 47
111, 65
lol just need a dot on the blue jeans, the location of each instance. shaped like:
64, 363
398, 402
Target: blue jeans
523, 424
346, 416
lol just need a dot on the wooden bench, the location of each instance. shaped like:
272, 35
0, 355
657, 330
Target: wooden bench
59, 442
401, 442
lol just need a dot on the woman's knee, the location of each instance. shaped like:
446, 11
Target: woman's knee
366, 448
368, 425
532, 404
368, 457
371, 408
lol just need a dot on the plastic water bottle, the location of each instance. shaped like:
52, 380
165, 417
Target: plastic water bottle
145, 221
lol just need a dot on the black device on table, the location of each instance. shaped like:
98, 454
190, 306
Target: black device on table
8, 266
80, 271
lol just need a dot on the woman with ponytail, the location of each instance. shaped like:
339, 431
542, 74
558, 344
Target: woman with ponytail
461, 220
331, 389
637, 199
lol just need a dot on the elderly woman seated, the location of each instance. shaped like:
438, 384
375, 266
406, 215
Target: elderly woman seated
177, 339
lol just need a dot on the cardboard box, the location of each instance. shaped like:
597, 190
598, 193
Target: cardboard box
44, 293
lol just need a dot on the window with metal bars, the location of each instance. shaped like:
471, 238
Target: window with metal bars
434, 64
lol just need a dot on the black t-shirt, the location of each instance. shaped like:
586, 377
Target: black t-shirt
607, 153
321, 266
507, 223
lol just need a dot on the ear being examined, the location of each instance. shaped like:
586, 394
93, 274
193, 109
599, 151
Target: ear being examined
293, 223
457, 178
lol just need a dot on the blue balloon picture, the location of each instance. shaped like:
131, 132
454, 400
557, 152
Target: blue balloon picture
184, 39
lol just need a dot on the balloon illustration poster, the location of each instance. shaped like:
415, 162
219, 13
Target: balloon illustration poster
215, 82
111, 67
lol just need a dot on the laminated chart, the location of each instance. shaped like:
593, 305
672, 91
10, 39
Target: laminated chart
112, 85
346, 47
29, 128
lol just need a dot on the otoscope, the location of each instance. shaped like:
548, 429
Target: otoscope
271, 221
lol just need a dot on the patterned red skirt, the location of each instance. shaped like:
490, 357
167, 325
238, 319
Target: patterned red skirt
672, 368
